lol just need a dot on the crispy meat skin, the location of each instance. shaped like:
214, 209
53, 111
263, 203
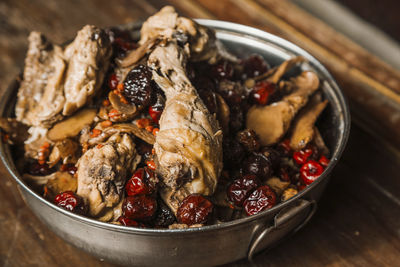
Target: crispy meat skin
102, 173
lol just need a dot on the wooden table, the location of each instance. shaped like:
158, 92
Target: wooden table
358, 218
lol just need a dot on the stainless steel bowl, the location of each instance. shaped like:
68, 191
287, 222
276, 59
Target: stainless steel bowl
209, 245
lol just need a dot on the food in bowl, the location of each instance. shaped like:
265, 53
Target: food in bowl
171, 131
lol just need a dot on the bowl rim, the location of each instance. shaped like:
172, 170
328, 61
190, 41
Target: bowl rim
219, 26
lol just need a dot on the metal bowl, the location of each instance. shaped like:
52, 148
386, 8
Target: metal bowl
214, 244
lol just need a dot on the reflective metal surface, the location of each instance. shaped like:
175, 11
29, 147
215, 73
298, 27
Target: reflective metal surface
209, 245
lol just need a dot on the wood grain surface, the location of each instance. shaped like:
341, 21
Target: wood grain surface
358, 218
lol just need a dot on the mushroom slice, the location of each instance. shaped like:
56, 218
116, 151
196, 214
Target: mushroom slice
303, 126
62, 181
71, 126
63, 150
136, 131
128, 109
271, 122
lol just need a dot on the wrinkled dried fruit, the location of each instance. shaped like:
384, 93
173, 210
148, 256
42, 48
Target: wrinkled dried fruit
249, 140
164, 216
194, 209
261, 199
257, 164
139, 207
222, 70
113, 82
140, 183
69, 201
40, 169
138, 86
233, 152
127, 222
254, 65
310, 171
241, 188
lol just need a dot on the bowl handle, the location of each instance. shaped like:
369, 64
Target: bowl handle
280, 221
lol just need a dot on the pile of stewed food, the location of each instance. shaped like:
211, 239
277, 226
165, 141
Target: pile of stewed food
168, 131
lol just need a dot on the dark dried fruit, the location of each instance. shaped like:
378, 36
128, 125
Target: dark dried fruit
284, 148
194, 209
241, 188
310, 171
40, 169
127, 222
141, 182
249, 140
157, 108
257, 164
138, 86
254, 65
263, 92
233, 152
69, 201
222, 70
261, 199
164, 216
272, 155
236, 119
140, 207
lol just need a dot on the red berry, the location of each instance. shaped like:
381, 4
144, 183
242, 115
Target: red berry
140, 207
240, 189
310, 171
39, 169
194, 209
301, 157
113, 82
155, 113
127, 222
140, 183
262, 198
69, 201
324, 161
262, 92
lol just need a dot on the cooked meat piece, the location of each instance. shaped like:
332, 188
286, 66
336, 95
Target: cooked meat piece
40, 96
189, 144
102, 173
303, 125
271, 122
37, 137
88, 60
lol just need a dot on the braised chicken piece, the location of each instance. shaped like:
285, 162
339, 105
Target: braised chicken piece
102, 171
189, 144
40, 96
271, 122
